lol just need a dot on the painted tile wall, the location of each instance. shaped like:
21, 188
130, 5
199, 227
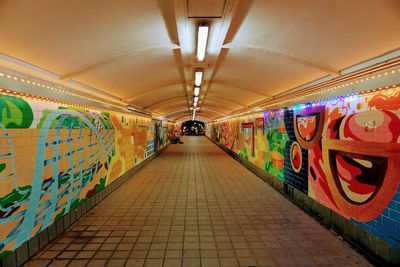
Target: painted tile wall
342, 152
52, 158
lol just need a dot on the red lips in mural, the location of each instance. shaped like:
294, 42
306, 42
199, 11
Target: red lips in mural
363, 168
359, 168
363, 177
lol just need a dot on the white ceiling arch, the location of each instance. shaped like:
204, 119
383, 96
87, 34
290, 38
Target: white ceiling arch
189, 118
142, 53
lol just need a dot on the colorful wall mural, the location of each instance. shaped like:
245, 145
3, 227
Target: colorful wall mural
343, 152
53, 158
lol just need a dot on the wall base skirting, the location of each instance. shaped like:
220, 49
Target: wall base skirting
376, 250
40, 240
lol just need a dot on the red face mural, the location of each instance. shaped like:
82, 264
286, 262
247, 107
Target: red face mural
344, 153
363, 167
354, 170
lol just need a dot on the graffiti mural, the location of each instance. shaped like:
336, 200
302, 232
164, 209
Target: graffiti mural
52, 158
342, 152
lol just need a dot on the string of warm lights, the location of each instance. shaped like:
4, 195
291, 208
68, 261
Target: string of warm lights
44, 99
351, 96
62, 102
372, 77
43, 84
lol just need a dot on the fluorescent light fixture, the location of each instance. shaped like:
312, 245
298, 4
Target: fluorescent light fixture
131, 108
196, 99
198, 76
196, 91
202, 35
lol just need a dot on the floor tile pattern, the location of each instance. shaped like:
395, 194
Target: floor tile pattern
196, 206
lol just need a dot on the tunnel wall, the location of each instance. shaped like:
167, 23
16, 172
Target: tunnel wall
341, 152
53, 158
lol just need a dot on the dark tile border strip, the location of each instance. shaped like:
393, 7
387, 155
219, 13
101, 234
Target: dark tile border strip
376, 250
40, 240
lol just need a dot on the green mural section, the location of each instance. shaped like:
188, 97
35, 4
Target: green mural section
53, 158
15, 112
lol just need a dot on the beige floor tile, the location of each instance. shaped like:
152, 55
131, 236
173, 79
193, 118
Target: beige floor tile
196, 206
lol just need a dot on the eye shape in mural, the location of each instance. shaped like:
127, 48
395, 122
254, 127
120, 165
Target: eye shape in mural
248, 132
362, 177
260, 124
296, 158
308, 125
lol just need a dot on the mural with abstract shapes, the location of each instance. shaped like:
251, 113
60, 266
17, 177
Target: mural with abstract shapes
342, 152
52, 158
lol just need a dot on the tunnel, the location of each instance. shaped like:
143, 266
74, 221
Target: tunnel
199, 133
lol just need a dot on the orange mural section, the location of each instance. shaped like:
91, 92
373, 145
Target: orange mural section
53, 158
344, 152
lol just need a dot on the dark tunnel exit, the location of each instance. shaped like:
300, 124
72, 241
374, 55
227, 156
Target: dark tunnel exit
193, 128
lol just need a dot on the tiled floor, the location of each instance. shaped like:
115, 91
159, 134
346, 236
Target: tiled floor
196, 206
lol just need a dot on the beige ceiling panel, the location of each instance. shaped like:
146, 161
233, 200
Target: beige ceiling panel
156, 104
209, 115
336, 33
136, 73
199, 117
64, 36
266, 73
205, 8
224, 110
151, 96
240, 95
222, 102
168, 106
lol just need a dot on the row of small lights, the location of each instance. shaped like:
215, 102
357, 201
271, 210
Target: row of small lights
44, 99
352, 96
27, 81
52, 100
55, 101
343, 85
348, 97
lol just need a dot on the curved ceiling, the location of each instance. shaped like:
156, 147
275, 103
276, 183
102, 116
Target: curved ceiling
143, 52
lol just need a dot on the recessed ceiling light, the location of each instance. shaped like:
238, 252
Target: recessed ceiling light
196, 91
198, 76
202, 35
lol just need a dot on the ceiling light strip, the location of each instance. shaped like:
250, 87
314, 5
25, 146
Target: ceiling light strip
198, 77
202, 36
196, 91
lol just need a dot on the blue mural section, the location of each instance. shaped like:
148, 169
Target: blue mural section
53, 158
